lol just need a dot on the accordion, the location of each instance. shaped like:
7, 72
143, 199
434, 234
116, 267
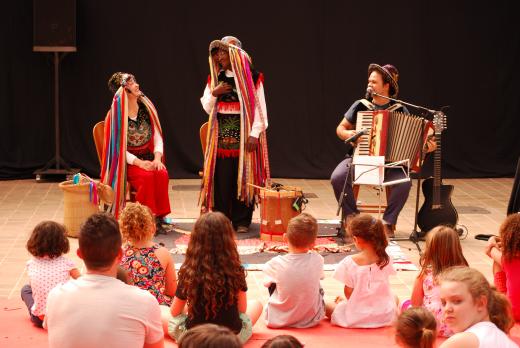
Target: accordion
395, 135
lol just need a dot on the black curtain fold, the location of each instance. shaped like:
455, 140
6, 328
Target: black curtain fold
314, 56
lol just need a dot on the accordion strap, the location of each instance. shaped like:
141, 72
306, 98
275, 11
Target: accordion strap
368, 104
394, 107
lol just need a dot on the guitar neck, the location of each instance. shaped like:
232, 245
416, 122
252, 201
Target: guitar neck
437, 179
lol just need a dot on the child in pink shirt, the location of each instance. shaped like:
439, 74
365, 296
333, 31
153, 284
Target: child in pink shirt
48, 268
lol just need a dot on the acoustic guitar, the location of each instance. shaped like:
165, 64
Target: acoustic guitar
437, 208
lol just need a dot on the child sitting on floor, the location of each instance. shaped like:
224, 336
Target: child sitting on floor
297, 300
282, 341
443, 250
149, 266
416, 328
47, 243
369, 302
209, 336
505, 252
479, 315
212, 282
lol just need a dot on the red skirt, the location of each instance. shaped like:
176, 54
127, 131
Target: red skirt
151, 187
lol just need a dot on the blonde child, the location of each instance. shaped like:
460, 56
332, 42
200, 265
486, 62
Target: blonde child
149, 266
212, 282
479, 316
443, 250
47, 244
416, 328
505, 252
369, 303
297, 299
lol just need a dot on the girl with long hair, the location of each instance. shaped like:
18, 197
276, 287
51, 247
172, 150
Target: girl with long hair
443, 250
369, 303
212, 282
479, 315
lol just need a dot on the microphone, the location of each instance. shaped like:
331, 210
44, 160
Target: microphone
369, 93
356, 136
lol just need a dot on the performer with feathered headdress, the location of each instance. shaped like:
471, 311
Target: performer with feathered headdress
236, 160
133, 149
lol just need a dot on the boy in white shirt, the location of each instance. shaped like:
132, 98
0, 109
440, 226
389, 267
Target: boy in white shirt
294, 279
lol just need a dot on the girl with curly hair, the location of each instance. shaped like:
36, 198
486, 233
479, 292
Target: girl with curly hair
505, 252
369, 303
212, 282
48, 268
149, 266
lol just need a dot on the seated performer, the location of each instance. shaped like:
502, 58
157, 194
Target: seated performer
236, 151
133, 149
381, 80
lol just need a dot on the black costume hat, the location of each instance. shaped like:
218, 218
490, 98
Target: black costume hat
390, 75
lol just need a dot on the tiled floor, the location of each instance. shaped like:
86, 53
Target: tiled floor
481, 204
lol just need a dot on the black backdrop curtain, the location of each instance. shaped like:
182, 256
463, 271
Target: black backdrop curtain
314, 55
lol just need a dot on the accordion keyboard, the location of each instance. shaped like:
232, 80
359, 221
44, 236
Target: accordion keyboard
363, 121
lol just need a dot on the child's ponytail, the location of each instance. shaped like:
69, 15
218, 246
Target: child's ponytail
499, 309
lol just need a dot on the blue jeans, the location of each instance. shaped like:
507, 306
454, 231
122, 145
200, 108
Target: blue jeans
27, 297
396, 200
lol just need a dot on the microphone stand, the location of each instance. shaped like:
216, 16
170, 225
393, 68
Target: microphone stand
430, 111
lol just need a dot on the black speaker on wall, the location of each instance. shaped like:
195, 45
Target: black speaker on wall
54, 25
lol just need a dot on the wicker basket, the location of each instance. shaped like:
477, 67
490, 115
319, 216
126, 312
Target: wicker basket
76, 205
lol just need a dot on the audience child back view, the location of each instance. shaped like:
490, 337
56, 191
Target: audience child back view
212, 282
209, 336
47, 243
443, 250
479, 315
297, 300
505, 252
282, 341
416, 328
369, 303
149, 266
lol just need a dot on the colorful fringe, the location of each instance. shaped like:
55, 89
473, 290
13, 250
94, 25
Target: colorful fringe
253, 167
113, 169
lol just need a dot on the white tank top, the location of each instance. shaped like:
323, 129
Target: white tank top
490, 336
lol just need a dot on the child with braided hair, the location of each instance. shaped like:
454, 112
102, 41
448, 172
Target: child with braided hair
369, 303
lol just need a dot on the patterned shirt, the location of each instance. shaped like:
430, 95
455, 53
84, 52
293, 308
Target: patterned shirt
146, 271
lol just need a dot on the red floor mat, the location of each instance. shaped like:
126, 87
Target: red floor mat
16, 330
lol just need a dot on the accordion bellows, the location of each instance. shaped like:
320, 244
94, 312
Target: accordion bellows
395, 135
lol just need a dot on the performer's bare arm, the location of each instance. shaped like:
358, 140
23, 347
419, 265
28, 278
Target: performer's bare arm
345, 129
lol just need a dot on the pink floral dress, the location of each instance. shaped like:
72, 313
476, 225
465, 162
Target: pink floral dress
432, 302
145, 270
